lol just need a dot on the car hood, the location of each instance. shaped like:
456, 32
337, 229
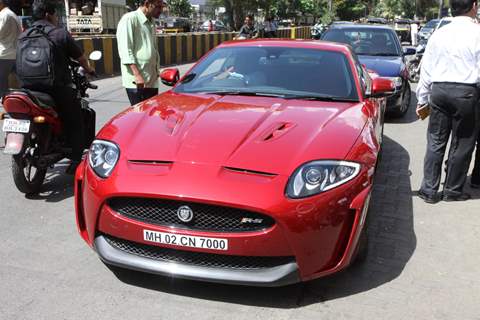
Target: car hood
384, 66
268, 135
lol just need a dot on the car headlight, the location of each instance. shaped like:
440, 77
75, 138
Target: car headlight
318, 176
102, 157
398, 81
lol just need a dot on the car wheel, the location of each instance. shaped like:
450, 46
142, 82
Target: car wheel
405, 104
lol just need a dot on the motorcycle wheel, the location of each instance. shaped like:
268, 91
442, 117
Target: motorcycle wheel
27, 178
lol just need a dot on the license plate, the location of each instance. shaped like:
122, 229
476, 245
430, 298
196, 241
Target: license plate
185, 241
15, 125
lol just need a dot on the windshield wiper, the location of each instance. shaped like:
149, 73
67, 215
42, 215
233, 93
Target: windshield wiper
319, 98
379, 54
245, 93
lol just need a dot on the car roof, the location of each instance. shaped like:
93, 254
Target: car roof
287, 43
361, 26
376, 19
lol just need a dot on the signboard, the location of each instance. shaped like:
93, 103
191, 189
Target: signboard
79, 23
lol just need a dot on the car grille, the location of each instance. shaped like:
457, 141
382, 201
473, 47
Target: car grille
206, 217
197, 258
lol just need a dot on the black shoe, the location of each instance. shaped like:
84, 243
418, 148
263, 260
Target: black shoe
72, 167
432, 199
475, 184
460, 197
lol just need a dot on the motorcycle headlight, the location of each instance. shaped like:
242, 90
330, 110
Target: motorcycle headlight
318, 176
398, 81
102, 157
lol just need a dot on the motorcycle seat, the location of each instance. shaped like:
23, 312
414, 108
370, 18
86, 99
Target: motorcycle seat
41, 99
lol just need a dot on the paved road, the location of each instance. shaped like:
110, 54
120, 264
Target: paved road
423, 261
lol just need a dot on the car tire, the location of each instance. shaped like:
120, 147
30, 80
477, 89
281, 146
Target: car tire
405, 104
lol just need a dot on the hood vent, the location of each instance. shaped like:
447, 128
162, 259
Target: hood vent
277, 131
151, 162
267, 174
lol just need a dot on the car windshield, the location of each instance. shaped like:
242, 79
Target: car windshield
444, 23
373, 42
273, 71
431, 24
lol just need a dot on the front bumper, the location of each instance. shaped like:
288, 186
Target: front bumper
269, 277
320, 233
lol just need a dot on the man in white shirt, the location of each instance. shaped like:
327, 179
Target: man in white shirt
449, 81
10, 29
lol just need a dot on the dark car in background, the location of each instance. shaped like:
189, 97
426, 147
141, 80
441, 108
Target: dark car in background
374, 20
427, 30
379, 49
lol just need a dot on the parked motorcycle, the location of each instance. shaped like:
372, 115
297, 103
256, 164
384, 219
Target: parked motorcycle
34, 132
415, 64
317, 30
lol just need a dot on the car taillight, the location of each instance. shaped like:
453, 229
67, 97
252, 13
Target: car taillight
15, 105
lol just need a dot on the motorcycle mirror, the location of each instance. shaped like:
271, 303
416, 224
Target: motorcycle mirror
95, 55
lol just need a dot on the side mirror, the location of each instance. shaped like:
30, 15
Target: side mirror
95, 55
170, 76
382, 87
409, 51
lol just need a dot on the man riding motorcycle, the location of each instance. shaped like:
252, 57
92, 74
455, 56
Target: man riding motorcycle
61, 88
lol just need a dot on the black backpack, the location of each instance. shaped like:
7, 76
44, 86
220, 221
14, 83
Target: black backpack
35, 65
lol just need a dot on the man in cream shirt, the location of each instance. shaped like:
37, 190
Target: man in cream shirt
10, 29
137, 48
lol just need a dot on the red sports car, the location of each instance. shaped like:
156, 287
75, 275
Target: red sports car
255, 169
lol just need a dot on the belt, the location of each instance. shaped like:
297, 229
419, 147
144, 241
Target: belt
473, 85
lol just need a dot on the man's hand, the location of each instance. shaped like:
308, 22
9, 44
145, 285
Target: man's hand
419, 106
139, 81
422, 111
91, 71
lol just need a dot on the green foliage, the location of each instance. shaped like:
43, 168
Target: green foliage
341, 9
180, 8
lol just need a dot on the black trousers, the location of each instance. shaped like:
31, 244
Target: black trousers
476, 168
138, 95
455, 112
70, 112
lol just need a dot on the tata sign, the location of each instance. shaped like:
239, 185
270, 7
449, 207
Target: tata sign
79, 23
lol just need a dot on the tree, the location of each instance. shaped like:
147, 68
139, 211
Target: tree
180, 8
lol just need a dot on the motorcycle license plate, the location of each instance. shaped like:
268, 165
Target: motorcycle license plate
15, 125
